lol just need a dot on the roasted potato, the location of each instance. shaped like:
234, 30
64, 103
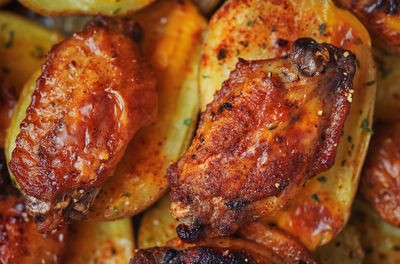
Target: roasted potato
87, 7
382, 19
367, 239
387, 105
262, 30
100, 242
172, 36
23, 48
207, 6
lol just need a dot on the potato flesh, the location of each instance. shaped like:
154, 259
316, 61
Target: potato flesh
100, 242
140, 178
255, 30
87, 7
24, 45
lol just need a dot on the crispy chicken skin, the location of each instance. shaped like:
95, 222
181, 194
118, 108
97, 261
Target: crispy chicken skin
218, 250
19, 240
380, 183
273, 125
381, 17
96, 90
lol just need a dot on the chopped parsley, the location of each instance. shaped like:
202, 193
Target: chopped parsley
315, 198
358, 64
366, 126
115, 210
350, 139
127, 194
206, 77
116, 11
250, 23
245, 44
262, 46
10, 41
322, 179
322, 29
187, 121
343, 163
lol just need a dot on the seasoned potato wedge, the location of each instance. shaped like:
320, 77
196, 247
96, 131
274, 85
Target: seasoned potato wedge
387, 105
19, 114
173, 33
87, 7
266, 29
100, 242
23, 47
157, 226
367, 239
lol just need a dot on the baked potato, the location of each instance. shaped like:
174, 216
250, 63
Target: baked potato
261, 30
88, 7
100, 242
387, 105
140, 178
24, 44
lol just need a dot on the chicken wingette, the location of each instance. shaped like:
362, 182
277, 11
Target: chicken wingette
95, 91
380, 184
265, 245
273, 125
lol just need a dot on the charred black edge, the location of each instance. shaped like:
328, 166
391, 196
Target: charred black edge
199, 254
124, 26
190, 234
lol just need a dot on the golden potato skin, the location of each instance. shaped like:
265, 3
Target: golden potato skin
96, 90
19, 240
273, 125
382, 19
380, 179
8, 99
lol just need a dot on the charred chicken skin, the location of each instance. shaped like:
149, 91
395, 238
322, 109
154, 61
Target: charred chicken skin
218, 250
381, 17
273, 125
19, 240
380, 184
95, 91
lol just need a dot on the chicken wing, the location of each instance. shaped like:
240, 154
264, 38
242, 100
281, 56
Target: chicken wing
380, 179
273, 125
96, 90
381, 17
221, 250
19, 240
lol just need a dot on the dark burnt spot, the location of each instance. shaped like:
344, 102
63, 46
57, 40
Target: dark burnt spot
171, 254
282, 43
226, 106
222, 54
236, 205
189, 234
295, 118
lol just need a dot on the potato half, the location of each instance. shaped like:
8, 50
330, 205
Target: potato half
388, 86
261, 30
100, 242
23, 47
86, 7
173, 34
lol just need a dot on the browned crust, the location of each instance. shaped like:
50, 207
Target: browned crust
377, 16
380, 179
272, 126
96, 90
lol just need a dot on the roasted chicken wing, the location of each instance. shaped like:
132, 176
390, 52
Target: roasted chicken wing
96, 90
380, 183
19, 240
266, 250
273, 125
381, 17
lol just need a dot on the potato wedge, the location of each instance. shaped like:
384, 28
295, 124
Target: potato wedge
23, 47
157, 226
366, 239
100, 242
387, 105
87, 7
262, 30
18, 116
173, 34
